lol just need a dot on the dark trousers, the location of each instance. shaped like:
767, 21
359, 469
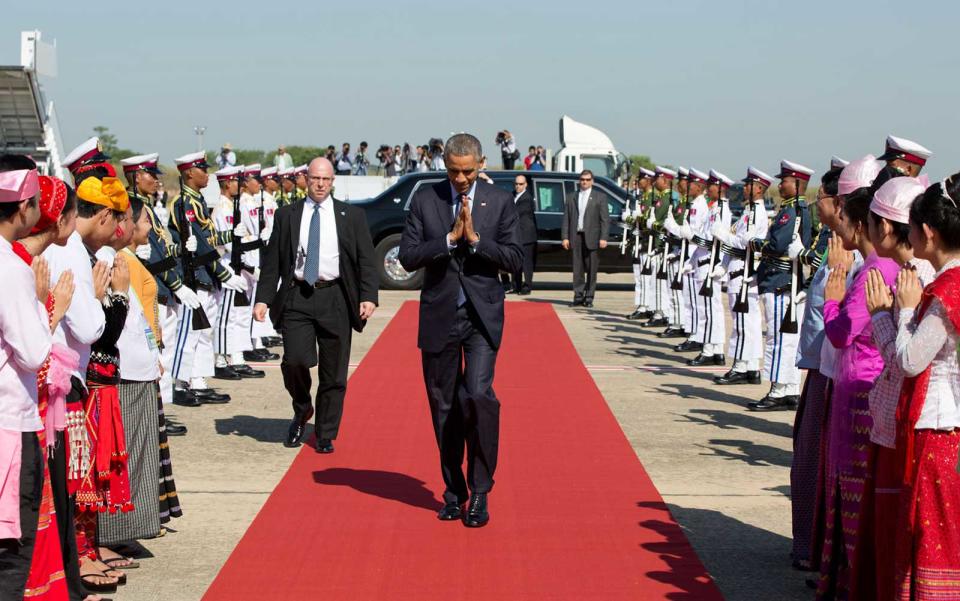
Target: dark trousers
523, 279
16, 555
586, 262
508, 161
464, 408
65, 506
316, 332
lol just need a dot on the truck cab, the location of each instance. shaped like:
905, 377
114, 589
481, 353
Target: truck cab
586, 147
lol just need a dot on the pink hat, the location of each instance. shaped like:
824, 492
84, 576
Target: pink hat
17, 186
859, 174
894, 198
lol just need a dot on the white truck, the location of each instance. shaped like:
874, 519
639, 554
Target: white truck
585, 147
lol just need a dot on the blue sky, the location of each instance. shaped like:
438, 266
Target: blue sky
709, 84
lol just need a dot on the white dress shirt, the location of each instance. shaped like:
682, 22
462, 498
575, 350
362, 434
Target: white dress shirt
25, 342
83, 323
139, 353
329, 248
582, 198
933, 343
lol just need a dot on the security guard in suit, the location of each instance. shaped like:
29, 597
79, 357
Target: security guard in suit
778, 278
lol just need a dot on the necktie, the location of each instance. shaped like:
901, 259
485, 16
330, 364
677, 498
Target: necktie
311, 268
463, 200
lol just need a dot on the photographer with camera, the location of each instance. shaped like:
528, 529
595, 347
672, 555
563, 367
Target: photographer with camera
344, 162
385, 157
435, 150
508, 149
360, 161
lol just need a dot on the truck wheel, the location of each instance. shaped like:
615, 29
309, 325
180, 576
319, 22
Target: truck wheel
392, 275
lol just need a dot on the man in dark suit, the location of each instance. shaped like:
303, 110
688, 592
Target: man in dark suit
586, 224
321, 255
526, 234
462, 232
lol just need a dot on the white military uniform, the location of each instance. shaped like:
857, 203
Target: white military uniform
231, 332
711, 327
261, 329
745, 346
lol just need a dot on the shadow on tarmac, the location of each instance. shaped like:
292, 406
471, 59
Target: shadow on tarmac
726, 420
258, 428
386, 485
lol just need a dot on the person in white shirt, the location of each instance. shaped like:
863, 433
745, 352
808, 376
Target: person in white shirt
282, 160
25, 343
928, 418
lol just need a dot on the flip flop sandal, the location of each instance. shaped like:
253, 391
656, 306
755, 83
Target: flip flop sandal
131, 564
98, 587
114, 573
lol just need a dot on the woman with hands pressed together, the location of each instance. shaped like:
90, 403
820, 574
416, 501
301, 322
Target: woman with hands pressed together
928, 415
847, 326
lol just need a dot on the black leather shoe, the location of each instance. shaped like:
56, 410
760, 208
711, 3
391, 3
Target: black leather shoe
450, 512
477, 514
656, 322
688, 345
245, 371
185, 398
271, 341
266, 355
175, 429
702, 359
225, 373
324, 446
767, 403
524, 291
576, 303
637, 314
588, 304
672, 332
297, 427
738, 377
208, 396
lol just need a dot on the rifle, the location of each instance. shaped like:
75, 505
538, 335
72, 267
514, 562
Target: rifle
677, 283
626, 230
790, 324
240, 299
707, 288
637, 216
662, 271
199, 320
742, 304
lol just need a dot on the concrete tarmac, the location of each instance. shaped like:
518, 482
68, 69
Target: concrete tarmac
723, 471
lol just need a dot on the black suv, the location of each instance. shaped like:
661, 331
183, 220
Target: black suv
387, 212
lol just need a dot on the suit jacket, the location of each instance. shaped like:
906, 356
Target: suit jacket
526, 213
596, 220
423, 245
359, 279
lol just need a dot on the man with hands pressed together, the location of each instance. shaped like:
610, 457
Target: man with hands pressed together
318, 279
462, 232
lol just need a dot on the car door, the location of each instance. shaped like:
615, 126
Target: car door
611, 259
548, 195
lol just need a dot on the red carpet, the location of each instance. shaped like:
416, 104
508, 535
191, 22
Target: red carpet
574, 514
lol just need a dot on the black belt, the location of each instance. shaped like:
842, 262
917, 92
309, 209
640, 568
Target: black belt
730, 251
254, 245
702, 242
319, 283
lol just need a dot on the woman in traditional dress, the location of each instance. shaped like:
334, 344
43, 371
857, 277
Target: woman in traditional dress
847, 326
889, 229
927, 564
58, 212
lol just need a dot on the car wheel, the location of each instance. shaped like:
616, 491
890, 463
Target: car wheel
392, 275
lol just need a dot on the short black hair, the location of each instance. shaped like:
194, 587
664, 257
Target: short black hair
856, 205
86, 210
938, 208
900, 230
136, 208
587, 172
830, 181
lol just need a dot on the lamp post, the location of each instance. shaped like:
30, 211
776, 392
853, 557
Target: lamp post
199, 131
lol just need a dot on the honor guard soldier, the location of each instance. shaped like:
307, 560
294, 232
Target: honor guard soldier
779, 279
686, 219
905, 156
663, 197
287, 185
707, 294
192, 229
638, 238
270, 180
88, 160
254, 200
745, 345
231, 334
300, 180
160, 257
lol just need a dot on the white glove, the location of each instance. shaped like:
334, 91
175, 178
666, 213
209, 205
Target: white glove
241, 231
256, 274
266, 233
719, 233
685, 231
718, 272
650, 221
192, 243
143, 252
795, 248
235, 283
687, 268
188, 297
